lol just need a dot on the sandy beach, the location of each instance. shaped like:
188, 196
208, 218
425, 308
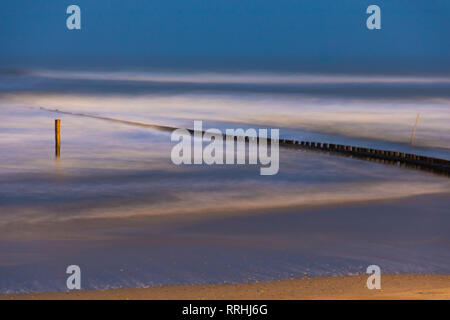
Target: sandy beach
401, 286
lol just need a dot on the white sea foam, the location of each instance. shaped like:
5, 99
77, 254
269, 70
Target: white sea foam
242, 77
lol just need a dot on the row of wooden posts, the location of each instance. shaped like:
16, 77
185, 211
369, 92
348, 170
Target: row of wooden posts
437, 164
394, 157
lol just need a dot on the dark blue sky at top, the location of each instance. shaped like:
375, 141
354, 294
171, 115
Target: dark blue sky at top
228, 34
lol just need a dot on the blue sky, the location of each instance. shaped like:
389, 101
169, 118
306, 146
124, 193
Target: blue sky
291, 35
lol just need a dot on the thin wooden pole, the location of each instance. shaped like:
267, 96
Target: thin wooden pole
57, 137
414, 129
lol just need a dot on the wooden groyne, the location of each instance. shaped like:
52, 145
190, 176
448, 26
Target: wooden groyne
409, 160
402, 159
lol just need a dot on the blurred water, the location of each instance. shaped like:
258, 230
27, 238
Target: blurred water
115, 200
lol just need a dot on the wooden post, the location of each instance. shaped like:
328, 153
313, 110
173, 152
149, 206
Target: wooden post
57, 137
414, 129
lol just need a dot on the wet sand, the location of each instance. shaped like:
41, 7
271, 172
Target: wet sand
400, 286
403, 236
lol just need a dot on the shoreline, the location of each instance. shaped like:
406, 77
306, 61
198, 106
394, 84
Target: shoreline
393, 287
